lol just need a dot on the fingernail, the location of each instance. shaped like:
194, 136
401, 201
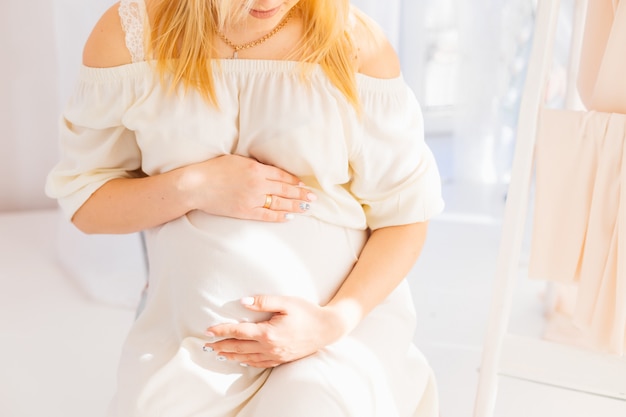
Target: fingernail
210, 336
311, 197
301, 184
221, 358
289, 216
207, 349
305, 206
245, 365
247, 301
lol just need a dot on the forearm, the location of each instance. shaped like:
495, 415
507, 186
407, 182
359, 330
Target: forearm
127, 205
228, 185
386, 259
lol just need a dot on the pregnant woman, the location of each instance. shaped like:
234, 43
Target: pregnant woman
309, 315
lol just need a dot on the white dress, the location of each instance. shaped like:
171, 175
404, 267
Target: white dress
369, 171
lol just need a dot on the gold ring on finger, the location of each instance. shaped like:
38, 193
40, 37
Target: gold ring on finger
268, 201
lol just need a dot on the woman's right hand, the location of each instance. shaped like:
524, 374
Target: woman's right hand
236, 186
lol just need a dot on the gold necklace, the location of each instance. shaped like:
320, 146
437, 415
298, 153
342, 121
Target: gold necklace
237, 48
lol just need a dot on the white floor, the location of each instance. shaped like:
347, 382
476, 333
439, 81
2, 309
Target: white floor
59, 348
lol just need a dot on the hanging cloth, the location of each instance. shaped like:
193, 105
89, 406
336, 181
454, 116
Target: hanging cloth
579, 226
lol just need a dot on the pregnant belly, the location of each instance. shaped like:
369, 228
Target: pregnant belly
202, 265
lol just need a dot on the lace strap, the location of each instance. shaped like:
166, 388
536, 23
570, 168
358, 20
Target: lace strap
133, 16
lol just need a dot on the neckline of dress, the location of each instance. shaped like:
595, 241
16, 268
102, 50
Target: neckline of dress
234, 66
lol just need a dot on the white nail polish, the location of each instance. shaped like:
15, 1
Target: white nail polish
207, 349
221, 358
247, 301
289, 216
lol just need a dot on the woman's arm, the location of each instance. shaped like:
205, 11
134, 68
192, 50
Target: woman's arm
228, 185
385, 261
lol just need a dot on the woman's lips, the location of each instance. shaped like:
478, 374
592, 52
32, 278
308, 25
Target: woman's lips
264, 14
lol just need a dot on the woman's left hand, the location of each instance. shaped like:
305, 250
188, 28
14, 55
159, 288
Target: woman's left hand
297, 328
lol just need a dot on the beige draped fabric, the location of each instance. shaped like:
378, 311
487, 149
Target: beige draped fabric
579, 226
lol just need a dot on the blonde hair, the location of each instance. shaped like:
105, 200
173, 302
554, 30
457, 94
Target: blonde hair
183, 37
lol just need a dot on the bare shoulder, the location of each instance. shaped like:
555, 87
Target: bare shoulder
106, 45
375, 55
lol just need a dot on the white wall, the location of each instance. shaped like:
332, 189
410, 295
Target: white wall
28, 102
40, 44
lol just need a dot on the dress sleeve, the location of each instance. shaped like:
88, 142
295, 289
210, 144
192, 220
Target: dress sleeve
395, 176
95, 145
